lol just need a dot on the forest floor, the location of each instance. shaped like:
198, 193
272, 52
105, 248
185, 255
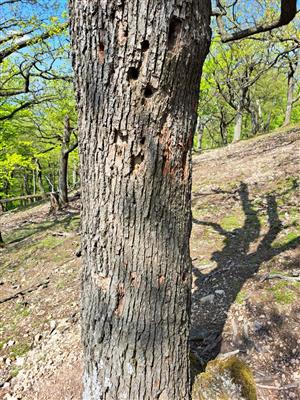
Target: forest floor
245, 289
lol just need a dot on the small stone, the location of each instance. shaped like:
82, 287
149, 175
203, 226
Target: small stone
257, 326
10, 343
220, 292
52, 326
6, 385
8, 361
208, 299
20, 361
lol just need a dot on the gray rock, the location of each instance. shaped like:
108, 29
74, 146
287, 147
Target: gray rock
208, 299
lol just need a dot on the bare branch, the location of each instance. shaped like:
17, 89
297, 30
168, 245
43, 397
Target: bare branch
30, 41
288, 12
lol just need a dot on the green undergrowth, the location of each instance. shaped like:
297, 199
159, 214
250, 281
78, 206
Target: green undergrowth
284, 292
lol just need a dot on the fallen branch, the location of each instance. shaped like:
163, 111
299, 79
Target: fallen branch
280, 276
25, 291
269, 387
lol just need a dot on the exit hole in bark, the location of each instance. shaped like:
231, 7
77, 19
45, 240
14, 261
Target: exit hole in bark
101, 53
143, 139
133, 73
184, 277
136, 161
145, 45
149, 91
120, 137
174, 31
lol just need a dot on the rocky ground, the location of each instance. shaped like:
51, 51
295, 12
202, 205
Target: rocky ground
246, 276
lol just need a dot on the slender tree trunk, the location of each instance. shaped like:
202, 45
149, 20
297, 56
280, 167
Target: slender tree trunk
40, 178
238, 126
136, 120
199, 132
34, 181
66, 149
63, 164
254, 121
63, 178
290, 94
223, 127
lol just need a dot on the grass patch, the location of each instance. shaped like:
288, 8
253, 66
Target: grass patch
289, 237
230, 222
49, 242
15, 371
19, 350
22, 311
241, 297
282, 293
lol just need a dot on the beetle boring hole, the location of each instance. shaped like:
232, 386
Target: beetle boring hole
145, 45
148, 91
101, 53
133, 73
120, 137
143, 139
136, 161
174, 31
184, 277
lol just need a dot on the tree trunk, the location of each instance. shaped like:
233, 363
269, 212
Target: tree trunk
136, 120
63, 164
1, 240
40, 178
238, 126
290, 94
254, 121
34, 181
66, 149
199, 132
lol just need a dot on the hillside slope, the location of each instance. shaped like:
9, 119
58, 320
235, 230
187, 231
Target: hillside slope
245, 241
245, 290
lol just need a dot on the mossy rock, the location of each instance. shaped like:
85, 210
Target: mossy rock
229, 379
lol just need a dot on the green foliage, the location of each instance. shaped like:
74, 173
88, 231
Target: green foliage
253, 75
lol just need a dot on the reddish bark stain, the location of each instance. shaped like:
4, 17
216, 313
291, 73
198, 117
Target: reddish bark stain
101, 53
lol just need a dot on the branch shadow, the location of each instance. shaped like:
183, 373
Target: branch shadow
236, 263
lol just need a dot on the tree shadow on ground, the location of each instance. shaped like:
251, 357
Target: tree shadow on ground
236, 263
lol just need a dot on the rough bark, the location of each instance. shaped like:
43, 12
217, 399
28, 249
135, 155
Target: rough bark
136, 120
